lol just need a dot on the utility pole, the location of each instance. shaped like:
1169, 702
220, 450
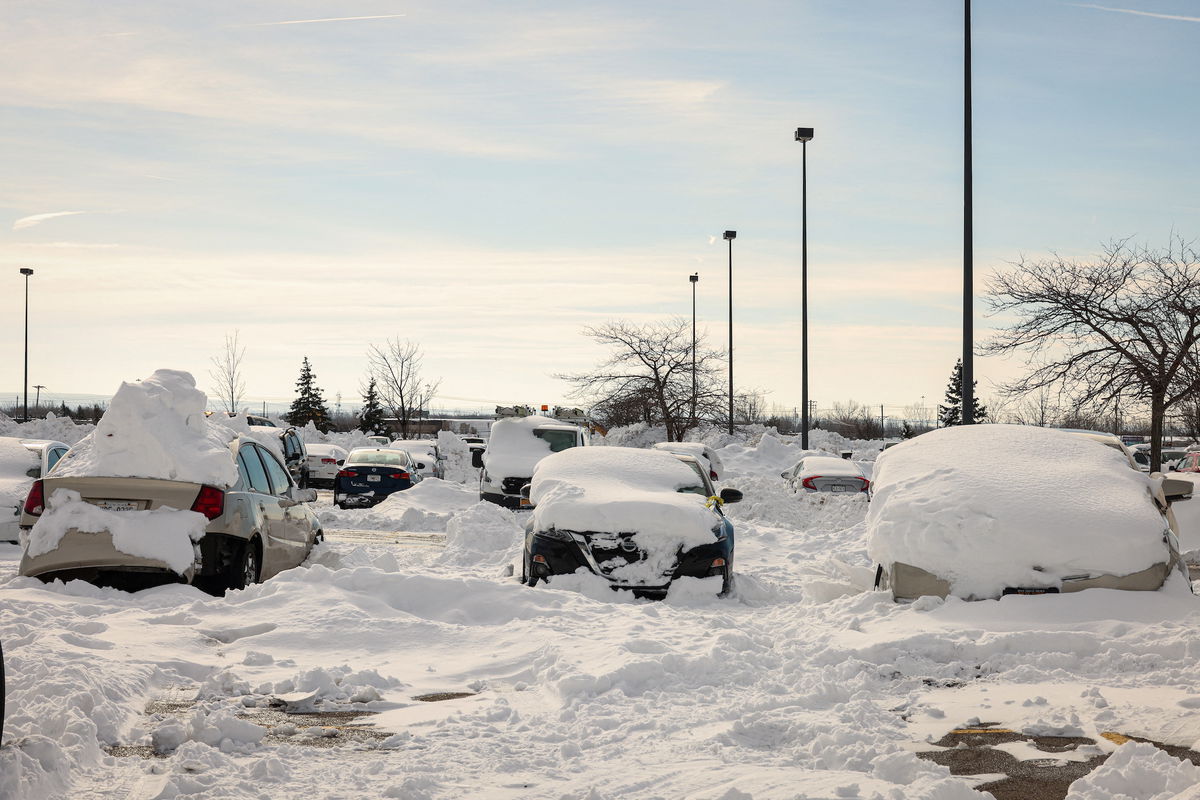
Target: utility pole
37, 400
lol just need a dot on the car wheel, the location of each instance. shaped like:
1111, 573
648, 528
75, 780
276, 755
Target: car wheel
727, 585
244, 568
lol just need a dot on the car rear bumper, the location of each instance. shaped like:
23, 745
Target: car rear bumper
84, 555
908, 582
512, 501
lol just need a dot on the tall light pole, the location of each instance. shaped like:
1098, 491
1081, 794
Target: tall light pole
804, 136
729, 237
968, 370
694, 278
26, 271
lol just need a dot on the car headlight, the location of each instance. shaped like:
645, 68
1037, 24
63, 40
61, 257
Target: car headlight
552, 533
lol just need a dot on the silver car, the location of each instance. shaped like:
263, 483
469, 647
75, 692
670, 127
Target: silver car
827, 474
257, 528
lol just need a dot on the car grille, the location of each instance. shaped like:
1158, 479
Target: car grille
613, 550
513, 485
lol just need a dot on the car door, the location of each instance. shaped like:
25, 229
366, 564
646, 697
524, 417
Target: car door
292, 536
263, 500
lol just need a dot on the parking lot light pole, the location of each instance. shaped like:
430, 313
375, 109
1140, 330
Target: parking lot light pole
804, 136
968, 369
729, 237
694, 278
26, 271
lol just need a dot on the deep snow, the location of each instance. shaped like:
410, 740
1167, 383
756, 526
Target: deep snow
803, 685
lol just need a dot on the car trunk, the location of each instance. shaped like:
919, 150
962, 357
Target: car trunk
125, 494
836, 483
375, 477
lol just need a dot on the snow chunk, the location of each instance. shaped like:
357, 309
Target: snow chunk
156, 428
1136, 771
990, 506
163, 534
485, 533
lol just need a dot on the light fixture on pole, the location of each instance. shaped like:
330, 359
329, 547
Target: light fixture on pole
694, 278
26, 271
729, 237
804, 136
968, 365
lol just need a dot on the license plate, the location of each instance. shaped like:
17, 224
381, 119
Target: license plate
837, 488
374, 479
118, 505
1029, 590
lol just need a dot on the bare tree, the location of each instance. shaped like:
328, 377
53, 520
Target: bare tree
227, 374
1124, 325
750, 405
853, 420
396, 368
648, 376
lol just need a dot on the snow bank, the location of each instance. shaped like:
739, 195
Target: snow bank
990, 506
483, 534
618, 490
61, 429
1137, 771
424, 508
163, 534
156, 428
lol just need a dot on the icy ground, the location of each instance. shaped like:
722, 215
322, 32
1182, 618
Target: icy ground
803, 685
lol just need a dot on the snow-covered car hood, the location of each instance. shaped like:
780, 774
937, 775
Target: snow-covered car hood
622, 490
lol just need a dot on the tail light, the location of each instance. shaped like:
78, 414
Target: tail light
347, 473
399, 475
808, 482
210, 502
328, 460
35, 501
866, 484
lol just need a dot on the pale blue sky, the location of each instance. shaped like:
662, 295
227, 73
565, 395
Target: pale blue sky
487, 178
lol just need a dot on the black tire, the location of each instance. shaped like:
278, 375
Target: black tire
727, 581
245, 567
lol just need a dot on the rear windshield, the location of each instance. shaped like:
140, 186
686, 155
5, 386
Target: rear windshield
377, 457
558, 440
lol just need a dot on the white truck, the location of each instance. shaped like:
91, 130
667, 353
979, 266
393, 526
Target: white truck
515, 447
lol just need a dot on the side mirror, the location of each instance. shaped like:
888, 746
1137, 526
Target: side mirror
341, 461
421, 465
731, 495
477, 459
787, 473
525, 490
302, 495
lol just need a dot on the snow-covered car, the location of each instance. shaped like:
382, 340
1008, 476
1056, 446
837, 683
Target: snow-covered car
96, 528
370, 474
382, 441
323, 463
945, 521
827, 474
295, 452
1167, 457
159, 491
1190, 462
515, 447
700, 450
22, 461
638, 518
427, 459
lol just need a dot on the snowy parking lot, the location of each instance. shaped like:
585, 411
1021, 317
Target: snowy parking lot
407, 620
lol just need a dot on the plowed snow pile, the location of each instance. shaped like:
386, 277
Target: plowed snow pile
990, 506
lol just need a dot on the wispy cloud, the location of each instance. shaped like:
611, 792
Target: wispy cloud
327, 19
37, 219
1137, 13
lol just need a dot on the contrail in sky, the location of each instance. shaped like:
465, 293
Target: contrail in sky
1137, 13
328, 19
37, 219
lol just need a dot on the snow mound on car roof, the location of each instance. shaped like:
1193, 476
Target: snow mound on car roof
619, 490
156, 428
986, 506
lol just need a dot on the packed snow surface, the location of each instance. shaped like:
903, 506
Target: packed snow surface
157, 428
163, 534
991, 506
619, 490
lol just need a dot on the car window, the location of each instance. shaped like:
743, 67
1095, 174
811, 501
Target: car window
693, 490
254, 476
279, 475
55, 454
558, 440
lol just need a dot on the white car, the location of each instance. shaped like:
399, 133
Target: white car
827, 474
323, 463
701, 451
515, 447
425, 454
22, 461
966, 511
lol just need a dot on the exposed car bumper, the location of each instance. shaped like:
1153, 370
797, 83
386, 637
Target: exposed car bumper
513, 501
908, 582
86, 555
546, 557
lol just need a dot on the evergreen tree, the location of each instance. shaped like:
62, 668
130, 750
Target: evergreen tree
309, 406
370, 419
951, 413
906, 431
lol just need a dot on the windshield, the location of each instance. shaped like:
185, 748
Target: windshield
558, 440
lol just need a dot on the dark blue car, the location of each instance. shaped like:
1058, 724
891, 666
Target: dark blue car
370, 474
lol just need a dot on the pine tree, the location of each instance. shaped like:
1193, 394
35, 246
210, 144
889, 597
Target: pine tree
906, 431
309, 405
370, 419
951, 413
